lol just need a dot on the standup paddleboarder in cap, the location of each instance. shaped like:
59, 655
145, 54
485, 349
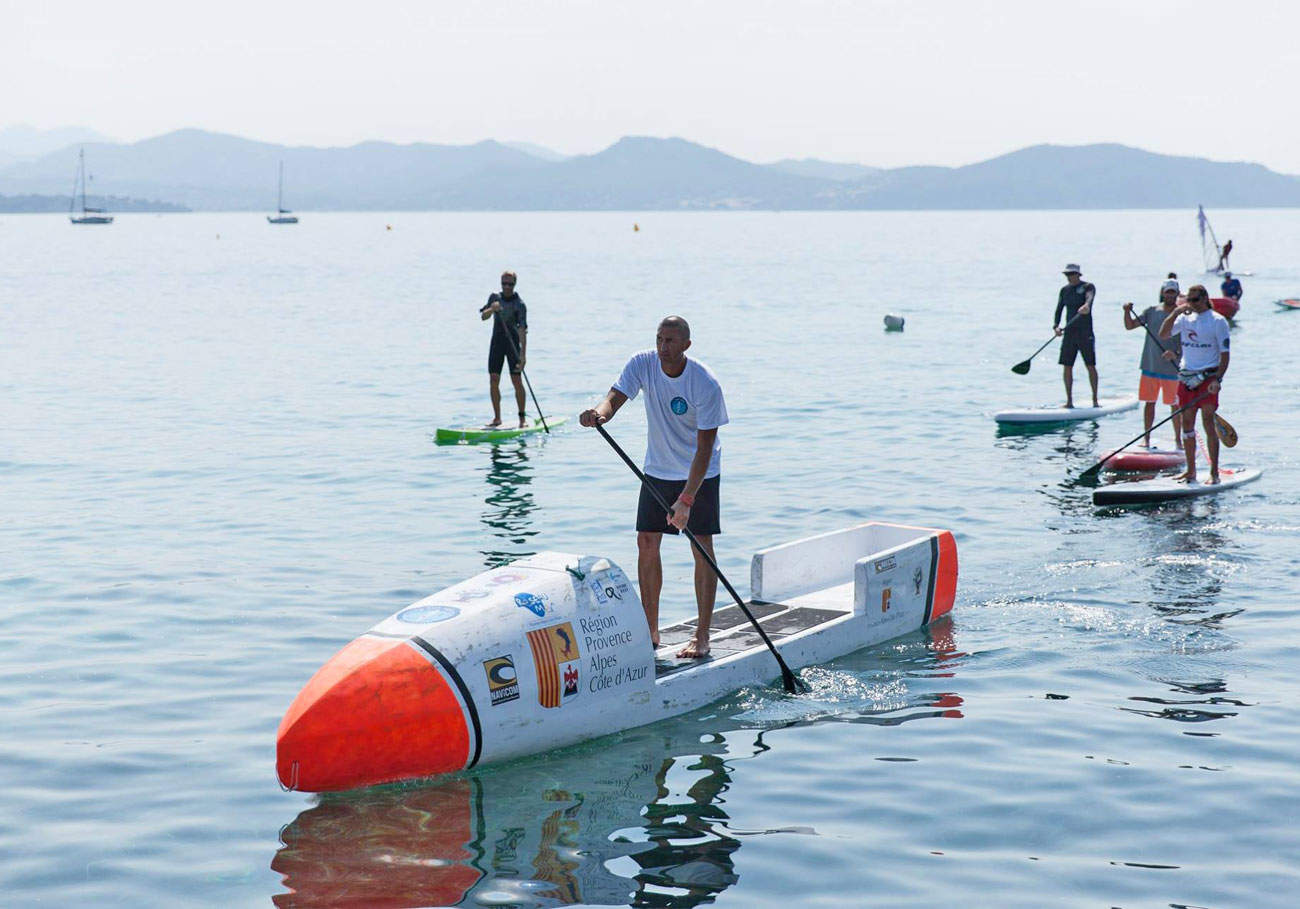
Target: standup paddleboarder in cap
1204, 335
509, 344
1231, 287
684, 408
1159, 363
1075, 299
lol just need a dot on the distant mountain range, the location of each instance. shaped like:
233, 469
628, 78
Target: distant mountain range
20, 142
204, 170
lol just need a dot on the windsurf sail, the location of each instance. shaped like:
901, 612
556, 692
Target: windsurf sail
1210, 249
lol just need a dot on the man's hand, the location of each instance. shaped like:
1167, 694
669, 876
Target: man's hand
495, 306
522, 360
1169, 355
592, 417
1056, 331
679, 515
1085, 309
1128, 307
1213, 387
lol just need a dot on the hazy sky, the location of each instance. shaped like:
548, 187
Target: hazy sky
881, 82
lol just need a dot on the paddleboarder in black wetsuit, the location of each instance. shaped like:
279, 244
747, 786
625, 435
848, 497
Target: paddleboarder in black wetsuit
509, 344
1074, 299
1223, 256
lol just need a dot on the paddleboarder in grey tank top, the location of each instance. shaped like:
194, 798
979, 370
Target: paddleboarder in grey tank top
1075, 300
684, 408
1159, 365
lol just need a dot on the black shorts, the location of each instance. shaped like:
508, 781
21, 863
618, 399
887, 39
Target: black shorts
651, 516
1072, 346
501, 351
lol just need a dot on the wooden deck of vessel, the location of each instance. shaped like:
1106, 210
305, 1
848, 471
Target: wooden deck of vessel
731, 632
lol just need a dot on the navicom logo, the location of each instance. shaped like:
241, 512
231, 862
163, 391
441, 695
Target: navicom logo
503, 683
678, 405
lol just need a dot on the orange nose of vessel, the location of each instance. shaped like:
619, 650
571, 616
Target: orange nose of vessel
380, 710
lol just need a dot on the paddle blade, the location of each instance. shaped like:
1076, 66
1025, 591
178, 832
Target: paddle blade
1227, 435
1021, 368
1090, 474
793, 684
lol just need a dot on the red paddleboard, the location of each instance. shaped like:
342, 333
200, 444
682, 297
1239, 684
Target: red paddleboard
1288, 304
1225, 306
1146, 459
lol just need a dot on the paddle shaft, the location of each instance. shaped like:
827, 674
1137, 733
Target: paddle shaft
1077, 317
1092, 471
787, 677
515, 349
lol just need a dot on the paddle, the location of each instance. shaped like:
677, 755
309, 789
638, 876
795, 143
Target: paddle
1227, 435
515, 350
1091, 472
792, 686
1022, 368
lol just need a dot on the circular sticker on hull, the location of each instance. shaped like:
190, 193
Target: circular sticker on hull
424, 615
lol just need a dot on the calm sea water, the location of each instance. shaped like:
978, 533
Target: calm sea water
216, 468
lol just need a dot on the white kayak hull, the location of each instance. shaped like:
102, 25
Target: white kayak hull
554, 649
1057, 414
1167, 489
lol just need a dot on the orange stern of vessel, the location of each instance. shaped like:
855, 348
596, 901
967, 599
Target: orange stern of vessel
945, 585
380, 710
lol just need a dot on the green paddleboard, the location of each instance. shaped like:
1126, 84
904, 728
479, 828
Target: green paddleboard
471, 434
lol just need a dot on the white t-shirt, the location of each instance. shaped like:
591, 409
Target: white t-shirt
1204, 336
676, 409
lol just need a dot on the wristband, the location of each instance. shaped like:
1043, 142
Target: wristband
686, 499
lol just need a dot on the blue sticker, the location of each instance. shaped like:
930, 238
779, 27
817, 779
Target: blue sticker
678, 404
424, 615
604, 590
533, 603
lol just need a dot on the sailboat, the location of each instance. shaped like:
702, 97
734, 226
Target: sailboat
88, 215
282, 215
1211, 251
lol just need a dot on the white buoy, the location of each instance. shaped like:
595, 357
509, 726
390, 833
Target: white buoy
893, 322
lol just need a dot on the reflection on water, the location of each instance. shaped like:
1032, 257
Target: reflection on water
509, 503
636, 819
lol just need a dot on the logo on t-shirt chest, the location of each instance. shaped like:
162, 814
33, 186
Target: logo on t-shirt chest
678, 405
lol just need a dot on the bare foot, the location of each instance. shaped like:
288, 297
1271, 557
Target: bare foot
1214, 478
1094, 403
523, 423
654, 641
1069, 405
694, 650
494, 423
1188, 476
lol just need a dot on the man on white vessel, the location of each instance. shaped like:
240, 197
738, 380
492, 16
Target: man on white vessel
684, 408
1204, 336
1159, 372
1075, 300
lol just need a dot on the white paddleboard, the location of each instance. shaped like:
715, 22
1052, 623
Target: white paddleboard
1166, 489
1055, 413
